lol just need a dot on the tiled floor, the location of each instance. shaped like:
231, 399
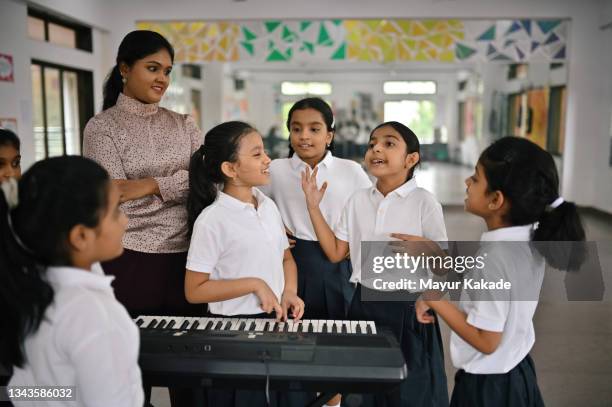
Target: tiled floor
573, 349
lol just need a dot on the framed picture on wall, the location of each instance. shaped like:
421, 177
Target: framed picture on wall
556, 120
537, 116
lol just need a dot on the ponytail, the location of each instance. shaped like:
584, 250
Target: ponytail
24, 294
527, 176
54, 195
135, 46
112, 87
220, 145
202, 190
557, 226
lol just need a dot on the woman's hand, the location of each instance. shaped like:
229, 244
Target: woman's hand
131, 189
313, 194
291, 301
422, 312
268, 300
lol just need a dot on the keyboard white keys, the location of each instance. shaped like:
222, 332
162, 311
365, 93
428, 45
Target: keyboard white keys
317, 326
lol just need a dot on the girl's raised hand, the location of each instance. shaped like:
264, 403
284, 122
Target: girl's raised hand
313, 194
268, 300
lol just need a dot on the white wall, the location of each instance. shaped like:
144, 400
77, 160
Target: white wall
16, 98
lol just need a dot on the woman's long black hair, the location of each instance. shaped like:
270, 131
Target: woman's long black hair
527, 176
220, 144
134, 46
54, 196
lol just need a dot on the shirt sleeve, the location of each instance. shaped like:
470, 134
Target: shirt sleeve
176, 186
488, 309
205, 247
433, 225
106, 374
341, 229
100, 147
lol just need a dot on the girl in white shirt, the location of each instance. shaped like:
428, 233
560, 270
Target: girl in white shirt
239, 260
395, 205
324, 286
515, 189
63, 325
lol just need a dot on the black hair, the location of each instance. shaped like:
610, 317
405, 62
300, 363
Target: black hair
54, 195
411, 140
8, 138
220, 145
527, 176
320, 106
134, 46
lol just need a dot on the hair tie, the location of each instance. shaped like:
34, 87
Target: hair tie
556, 203
11, 193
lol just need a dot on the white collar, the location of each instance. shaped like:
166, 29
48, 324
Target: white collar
403, 190
67, 276
509, 234
297, 162
230, 202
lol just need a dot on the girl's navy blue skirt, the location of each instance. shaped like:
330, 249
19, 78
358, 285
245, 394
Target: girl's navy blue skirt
421, 344
322, 285
517, 388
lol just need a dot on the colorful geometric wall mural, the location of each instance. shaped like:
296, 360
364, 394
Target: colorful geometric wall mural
379, 41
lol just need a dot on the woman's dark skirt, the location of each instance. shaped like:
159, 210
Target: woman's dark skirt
152, 283
517, 388
421, 344
322, 285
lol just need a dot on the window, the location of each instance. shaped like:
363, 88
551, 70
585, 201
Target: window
306, 88
409, 87
417, 114
62, 103
52, 29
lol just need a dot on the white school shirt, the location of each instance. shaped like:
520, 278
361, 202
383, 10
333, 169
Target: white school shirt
231, 239
343, 177
524, 269
370, 216
87, 340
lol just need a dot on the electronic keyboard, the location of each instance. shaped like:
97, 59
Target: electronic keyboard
319, 355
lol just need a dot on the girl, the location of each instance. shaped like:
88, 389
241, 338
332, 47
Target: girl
10, 157
515, 186
322, 285
63, 325
238, 262
395, 204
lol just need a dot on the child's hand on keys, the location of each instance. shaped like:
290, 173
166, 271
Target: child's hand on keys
291, 301
268, 300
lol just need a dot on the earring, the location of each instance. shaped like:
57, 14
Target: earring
124, 80
328, 144
491, 206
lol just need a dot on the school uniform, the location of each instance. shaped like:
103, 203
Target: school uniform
324, 286
507, 376
86, 339
370, 216
232, 239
